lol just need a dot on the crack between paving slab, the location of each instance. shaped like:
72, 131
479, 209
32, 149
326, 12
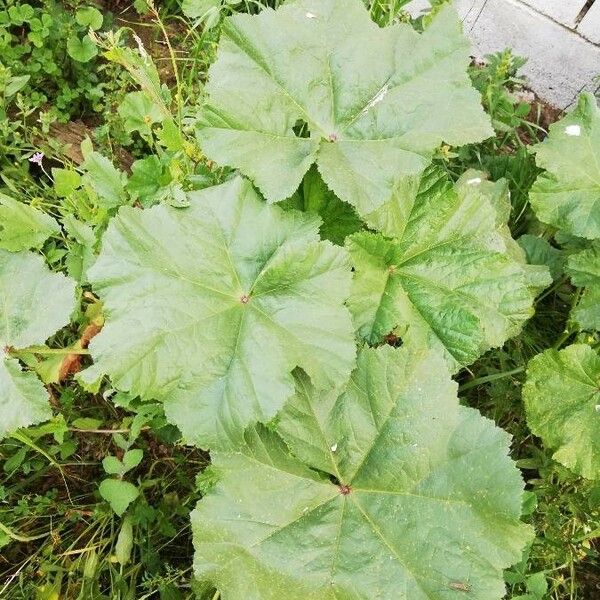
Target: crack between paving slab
584, 11
532, 11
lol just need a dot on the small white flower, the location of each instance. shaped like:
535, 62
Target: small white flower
334, 447
474, 181
37, 158
310, 15
574, 130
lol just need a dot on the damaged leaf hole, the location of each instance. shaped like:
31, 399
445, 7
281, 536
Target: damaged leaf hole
301, 129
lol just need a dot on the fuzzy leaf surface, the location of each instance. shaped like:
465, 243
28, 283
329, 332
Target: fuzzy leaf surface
562, 398
34, 304
451, 278
375, 111
425, 497
211, 307
568, 195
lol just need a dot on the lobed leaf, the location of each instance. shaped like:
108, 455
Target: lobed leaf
139, 113
375, 111
34, 304
452, 278
211, 307
568, 195
562, 398
394, 491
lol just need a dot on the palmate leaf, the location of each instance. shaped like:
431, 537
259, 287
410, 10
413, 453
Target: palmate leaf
584, 268
34, 304
568, 195
395, 492
211, 307
375, 109
452, 277
562, 398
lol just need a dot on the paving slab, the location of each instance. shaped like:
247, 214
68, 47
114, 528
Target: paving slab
589, 27
561, 63
563, 11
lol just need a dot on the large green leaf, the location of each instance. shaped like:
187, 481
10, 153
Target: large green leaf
584, 268
211, 307
395, 492
23, 227
376, 102
568, 195
452, 278
562, 398
34, 304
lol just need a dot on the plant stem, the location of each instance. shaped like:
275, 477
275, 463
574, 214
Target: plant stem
489, 378
21, 538
49, 351
105, 431
173, 63
562, 339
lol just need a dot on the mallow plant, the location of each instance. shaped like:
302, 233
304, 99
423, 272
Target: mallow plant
562, 392
303, 319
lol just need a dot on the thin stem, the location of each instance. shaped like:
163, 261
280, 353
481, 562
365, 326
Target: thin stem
489, 378
173, 62
569, 329
562, 339
21, 538
105, 431
552, 289
49, 351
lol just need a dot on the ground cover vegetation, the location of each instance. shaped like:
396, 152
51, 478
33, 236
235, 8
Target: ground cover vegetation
298, 300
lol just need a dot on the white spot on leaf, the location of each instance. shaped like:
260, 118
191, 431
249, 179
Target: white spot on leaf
381, 94
574, 130
474, 181
310, 15
334, 447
